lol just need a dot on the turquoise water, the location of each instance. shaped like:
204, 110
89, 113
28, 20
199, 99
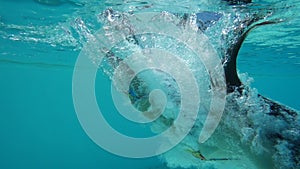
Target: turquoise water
39, 44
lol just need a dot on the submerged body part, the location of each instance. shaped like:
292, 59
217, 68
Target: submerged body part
255, 131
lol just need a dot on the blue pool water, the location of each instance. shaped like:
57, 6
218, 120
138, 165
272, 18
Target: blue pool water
40, 41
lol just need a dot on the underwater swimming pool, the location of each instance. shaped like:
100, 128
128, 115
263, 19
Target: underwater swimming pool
41, 41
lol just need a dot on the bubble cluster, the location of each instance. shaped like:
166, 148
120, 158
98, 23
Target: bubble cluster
126, 48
